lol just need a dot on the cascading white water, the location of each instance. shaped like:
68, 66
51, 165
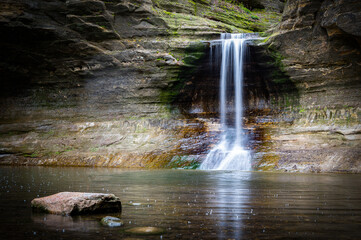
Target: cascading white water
230, 153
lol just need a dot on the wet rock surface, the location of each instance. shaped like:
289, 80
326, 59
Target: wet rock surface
124, 83
77, 203
90, 83
319, 48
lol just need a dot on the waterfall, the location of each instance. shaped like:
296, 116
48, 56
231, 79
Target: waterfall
230, 153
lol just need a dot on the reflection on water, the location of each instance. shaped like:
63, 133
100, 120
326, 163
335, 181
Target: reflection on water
232, 194
187, 204
56, 222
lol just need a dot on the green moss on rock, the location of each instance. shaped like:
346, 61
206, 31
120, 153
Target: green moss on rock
193, 54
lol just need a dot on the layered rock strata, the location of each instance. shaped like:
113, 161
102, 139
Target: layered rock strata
128, 83
91, 83
318, 44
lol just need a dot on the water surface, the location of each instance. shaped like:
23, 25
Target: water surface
187, 204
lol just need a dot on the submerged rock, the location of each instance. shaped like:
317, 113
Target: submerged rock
111, 221
145, 230
73, 203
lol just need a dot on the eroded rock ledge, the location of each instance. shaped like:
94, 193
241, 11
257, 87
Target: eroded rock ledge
90, 83
319, 46
119, 83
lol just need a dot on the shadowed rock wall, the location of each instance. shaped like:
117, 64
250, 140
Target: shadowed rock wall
319, 45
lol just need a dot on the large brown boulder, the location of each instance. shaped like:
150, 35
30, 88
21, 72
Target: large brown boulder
74, 203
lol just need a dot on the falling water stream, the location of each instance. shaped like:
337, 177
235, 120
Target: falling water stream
230, 153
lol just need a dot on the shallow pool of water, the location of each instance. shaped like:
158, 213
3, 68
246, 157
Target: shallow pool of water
187, 204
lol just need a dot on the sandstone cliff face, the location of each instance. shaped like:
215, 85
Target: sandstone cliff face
128, 84
319, 45
90, 83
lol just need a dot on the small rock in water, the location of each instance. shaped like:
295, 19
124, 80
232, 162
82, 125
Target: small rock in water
111, 221
145, 230
72, 203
